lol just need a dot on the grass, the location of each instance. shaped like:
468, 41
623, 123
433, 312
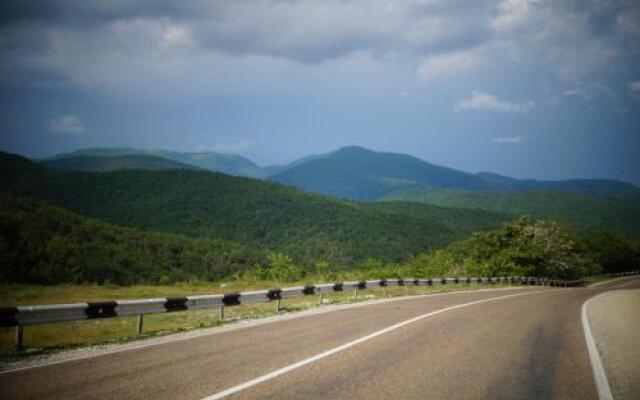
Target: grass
59, 336
599, 278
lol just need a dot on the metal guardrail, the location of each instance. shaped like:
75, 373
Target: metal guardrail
21, 316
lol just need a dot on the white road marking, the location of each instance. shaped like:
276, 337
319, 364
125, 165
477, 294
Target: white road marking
306, 361
604, 390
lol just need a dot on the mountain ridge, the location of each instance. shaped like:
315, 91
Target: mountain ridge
357, 173
113, 163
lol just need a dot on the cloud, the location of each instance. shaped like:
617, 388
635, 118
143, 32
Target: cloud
156, 46
233, 147
485, 101
580, 91
66, 124
634, 86
507, 139
512, 14
448, 65
574, 92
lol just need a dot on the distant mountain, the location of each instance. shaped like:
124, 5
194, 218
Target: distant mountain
576, 210
361, 174
231, 164
262, 215
113, 163
270, 170
354, 173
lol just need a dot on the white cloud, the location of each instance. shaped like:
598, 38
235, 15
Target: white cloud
485, 101
574, 92
66, 124
233, 147
449, 64
507, 139
634, 87
512, 14
579, 91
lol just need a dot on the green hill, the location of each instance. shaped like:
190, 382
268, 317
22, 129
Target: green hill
113, 163
360, 174
40, 243
251, 212
580, 212
219, 162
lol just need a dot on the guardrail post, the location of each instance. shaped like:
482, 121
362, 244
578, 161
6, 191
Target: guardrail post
139, 323
320, 300
278, 304
406, 289
19, 337
355, 292
384, 291
221, 313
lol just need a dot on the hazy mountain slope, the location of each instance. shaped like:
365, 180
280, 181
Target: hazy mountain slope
578, 211
231, 164
261, 214
40, 243
588, 187
113, 163
270, 170
361, 174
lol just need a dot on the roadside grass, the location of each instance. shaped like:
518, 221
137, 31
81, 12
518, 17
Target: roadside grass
53, 337
598, 279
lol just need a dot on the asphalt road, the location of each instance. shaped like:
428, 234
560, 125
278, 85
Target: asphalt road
529, 346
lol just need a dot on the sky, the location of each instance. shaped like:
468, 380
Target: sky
528, 88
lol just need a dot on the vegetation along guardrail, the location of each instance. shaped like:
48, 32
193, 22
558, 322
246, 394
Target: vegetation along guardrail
21, 316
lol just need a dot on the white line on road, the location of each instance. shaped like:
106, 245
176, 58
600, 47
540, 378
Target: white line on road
604, 390
306, 361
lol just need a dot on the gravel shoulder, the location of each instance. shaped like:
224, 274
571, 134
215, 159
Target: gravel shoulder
613, 317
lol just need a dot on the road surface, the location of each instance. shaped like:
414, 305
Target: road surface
505, 344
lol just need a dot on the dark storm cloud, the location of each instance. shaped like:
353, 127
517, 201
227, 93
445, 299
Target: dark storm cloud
299, 59
306, 31
312, 31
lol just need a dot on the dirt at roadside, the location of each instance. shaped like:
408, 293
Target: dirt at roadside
615, 323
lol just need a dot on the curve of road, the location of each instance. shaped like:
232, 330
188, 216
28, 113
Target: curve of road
468, 345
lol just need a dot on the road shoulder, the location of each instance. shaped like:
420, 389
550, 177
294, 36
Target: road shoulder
616, 329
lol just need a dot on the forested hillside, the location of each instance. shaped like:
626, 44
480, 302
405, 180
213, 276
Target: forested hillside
577, 211
40, 243
308, 227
